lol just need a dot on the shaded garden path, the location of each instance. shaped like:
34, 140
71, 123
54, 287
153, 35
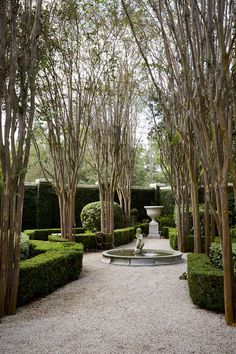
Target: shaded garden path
115, 309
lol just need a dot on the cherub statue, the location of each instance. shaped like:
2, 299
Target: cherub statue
139, 242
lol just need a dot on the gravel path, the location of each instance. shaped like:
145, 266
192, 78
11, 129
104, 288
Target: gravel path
118, 310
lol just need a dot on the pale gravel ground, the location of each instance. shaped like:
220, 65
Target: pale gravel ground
118, 310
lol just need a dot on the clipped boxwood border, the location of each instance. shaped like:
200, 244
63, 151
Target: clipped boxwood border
122, 236
190, 240
205, 283
54, 265
42, 234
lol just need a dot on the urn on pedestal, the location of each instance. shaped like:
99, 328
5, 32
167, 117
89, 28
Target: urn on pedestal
153, 212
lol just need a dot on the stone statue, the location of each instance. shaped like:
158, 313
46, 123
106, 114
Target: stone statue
139, 242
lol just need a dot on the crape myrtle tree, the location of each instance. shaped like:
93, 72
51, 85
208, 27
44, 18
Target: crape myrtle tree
129, 153
173, 162
198, 38
19, 32
111, 141
116, 102
67, 85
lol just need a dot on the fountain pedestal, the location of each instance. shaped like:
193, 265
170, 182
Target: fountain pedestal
153, 212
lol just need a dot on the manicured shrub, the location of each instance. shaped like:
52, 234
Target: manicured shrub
215, 255
42, 234
57, 238
173, 239
165, 232
233, 232
54, 265
88, 240
91, 216
24, 246
205, 283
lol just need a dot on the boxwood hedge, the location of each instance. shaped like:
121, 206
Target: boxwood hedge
88, 239
53, 265
205, 283
190, 240
42, 234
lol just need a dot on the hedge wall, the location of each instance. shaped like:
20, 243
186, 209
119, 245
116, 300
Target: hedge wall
167, 213
42, 234
53, 266
190, 240
30, 206
41, 208
122, 236
205, 283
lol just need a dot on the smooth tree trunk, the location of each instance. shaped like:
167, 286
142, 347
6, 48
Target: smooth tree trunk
67, 215
229, 278
207, 214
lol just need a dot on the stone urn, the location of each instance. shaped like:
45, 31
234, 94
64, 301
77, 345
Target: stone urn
153, 212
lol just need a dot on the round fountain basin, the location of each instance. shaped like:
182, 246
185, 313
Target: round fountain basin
149, 257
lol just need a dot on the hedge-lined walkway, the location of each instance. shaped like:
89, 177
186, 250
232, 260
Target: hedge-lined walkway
118, 310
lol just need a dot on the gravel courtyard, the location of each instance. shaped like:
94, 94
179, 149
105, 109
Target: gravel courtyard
118, 310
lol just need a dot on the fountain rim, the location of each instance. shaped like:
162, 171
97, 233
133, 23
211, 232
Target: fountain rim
153, 206
136, 256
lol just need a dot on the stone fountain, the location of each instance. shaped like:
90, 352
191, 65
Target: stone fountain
140, 256
154, 212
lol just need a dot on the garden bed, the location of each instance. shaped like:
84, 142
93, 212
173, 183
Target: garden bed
52, 266
205, 283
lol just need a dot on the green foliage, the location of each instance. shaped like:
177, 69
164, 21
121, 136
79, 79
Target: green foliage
29, 208
166, 220
42, 234
45, 246
54, 265
144, 196
165, 232
41, 208
233, 232
88, 240
91, 216
57, 238
167, 213
142, 175
173, 239
215, 255
205, 283
45, 206
24, 246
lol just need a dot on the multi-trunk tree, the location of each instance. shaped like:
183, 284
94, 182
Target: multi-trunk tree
19, 32
67, 85
198, 42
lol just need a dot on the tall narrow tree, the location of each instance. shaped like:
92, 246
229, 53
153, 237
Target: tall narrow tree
19, 32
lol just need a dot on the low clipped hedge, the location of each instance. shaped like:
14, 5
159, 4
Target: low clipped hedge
122, 236
42, 234
53, 265
173, 239
205, 283
215, 255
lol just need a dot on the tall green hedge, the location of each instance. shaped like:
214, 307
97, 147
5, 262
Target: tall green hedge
54, 265
205, 283
30, 206
167, 213
41, 208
